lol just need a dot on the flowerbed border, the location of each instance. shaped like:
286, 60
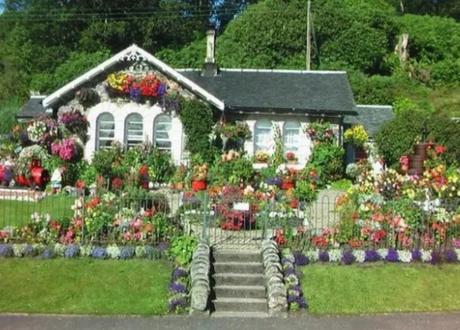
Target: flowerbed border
73, 251
358, 256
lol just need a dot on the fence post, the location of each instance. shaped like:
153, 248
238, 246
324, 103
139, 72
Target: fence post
205, 230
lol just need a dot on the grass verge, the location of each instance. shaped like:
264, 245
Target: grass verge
84, 286
332, 289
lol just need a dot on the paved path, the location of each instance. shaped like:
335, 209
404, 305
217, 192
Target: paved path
444, 321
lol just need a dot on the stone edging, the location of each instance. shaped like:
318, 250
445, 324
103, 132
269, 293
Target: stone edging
200, 283
276, 290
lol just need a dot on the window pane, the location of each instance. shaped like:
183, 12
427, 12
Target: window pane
291, 136
162, 132
134, 130
263, 135
105, 131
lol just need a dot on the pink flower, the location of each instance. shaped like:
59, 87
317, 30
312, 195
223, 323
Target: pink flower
138, 236
127, 236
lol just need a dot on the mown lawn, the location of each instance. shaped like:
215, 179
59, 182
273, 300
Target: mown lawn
18, 213
332, 289
84, 286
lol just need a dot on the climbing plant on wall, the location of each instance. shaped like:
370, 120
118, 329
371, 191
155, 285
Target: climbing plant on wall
198, 120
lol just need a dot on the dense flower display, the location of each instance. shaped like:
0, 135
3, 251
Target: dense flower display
135, 87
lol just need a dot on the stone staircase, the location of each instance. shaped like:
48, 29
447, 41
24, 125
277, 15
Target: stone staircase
238, 284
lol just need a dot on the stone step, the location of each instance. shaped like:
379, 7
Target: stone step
237, 256
245, 267
240, 305
240, 291
249, 315
238, 279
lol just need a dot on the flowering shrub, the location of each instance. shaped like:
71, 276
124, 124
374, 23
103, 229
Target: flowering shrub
320, 132
67, 149
356, 135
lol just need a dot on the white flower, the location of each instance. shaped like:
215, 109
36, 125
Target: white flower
313, 255
382, 253
85, 250
426, 255
113, 251
360, 255
335, 255
59, 249
18, 250
405, 256
458, 253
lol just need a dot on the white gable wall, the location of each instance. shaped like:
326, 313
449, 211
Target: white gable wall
120, 112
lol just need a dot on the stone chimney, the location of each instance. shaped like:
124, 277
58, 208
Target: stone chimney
210, 68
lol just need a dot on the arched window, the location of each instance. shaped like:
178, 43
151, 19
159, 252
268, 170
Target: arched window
162, 132
105, 131
291, 136
134, 130
263, 136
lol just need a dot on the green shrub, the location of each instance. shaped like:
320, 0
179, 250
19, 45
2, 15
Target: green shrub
161, 167
305, 191
107, 162
182, 248
233, 171
397, 137
328, 157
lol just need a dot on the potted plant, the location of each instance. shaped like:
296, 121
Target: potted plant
199, 174
261, 157
288, 176
179, 177
290, 157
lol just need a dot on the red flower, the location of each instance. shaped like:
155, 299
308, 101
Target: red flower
439, 149
279, 237
319, 241
117, 183
80, 184
378, 235
93, 203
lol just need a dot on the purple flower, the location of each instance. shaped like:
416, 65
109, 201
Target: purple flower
179, 272
371, 256
302, 302
135, 94
290, 271
176, 287
301, 259
72, 251
324, 256
416, 255
29, 251
99, 252
175, 303
48, 253
126, 252
276, 181
163, 247
435, 257
348, 258
161, 89
6, 250
392, 256
450, 256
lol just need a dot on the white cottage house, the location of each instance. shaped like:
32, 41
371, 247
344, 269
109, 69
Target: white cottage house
290, 99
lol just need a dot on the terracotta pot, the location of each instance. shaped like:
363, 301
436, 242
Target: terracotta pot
294, 203
199, 185
286, 185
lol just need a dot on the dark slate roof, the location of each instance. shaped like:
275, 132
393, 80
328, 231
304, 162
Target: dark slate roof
302, 91
33, 108
372, 117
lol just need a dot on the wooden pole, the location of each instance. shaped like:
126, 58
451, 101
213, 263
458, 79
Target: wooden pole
308, 37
